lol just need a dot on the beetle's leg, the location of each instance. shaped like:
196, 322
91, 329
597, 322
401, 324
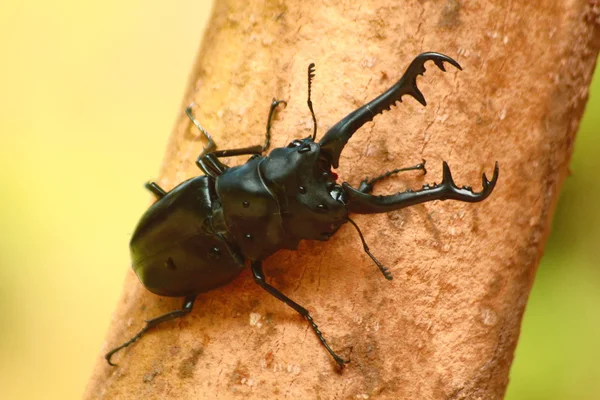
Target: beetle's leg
208, 160
311, 74
259, 277
364, 203
210, 165
385, 271
188, 303
155, 189
258, 149
211, 143
274, 105
366, 186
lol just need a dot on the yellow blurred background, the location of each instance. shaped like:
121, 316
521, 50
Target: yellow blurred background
89, 94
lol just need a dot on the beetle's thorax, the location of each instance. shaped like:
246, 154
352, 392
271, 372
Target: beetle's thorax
273, 202
311, 202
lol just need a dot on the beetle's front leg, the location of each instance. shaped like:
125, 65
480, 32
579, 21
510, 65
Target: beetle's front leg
212, 146
366, 186
257, 149
259, 278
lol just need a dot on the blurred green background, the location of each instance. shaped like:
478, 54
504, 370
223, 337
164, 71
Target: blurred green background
89, 94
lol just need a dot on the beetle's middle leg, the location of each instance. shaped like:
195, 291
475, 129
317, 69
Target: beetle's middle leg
188, 303
155, 189
259, 278
366, 186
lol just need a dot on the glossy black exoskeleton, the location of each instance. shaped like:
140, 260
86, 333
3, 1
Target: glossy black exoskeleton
198, 236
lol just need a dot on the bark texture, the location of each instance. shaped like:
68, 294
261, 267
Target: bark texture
447, 325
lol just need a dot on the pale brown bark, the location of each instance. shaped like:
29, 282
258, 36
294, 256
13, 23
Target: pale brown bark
447, 325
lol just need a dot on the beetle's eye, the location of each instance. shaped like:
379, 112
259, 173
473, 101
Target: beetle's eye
295, 143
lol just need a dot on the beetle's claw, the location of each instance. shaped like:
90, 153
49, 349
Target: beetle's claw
387, 274
108, 357
341, 362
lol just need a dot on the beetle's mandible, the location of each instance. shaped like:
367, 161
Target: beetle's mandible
199, 235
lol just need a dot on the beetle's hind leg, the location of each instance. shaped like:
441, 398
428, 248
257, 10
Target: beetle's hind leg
259, 278
188, 303
366, 186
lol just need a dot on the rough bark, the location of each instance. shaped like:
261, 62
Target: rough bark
447, 325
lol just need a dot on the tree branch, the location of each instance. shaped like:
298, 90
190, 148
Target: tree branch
447, 325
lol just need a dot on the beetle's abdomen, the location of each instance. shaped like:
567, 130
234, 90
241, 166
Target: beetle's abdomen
175, 250
191, 265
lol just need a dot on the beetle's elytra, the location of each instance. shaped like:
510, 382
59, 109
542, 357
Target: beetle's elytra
199, 235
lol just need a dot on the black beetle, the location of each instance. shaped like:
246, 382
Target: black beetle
198, 236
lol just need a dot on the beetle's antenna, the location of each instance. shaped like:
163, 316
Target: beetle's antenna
311, 75
386, 272
211, 143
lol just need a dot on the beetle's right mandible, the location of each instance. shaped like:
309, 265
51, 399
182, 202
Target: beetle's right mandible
336, 138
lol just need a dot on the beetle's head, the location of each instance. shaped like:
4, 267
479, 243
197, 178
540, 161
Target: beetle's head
311, 201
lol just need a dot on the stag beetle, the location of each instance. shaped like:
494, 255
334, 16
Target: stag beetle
198, 236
